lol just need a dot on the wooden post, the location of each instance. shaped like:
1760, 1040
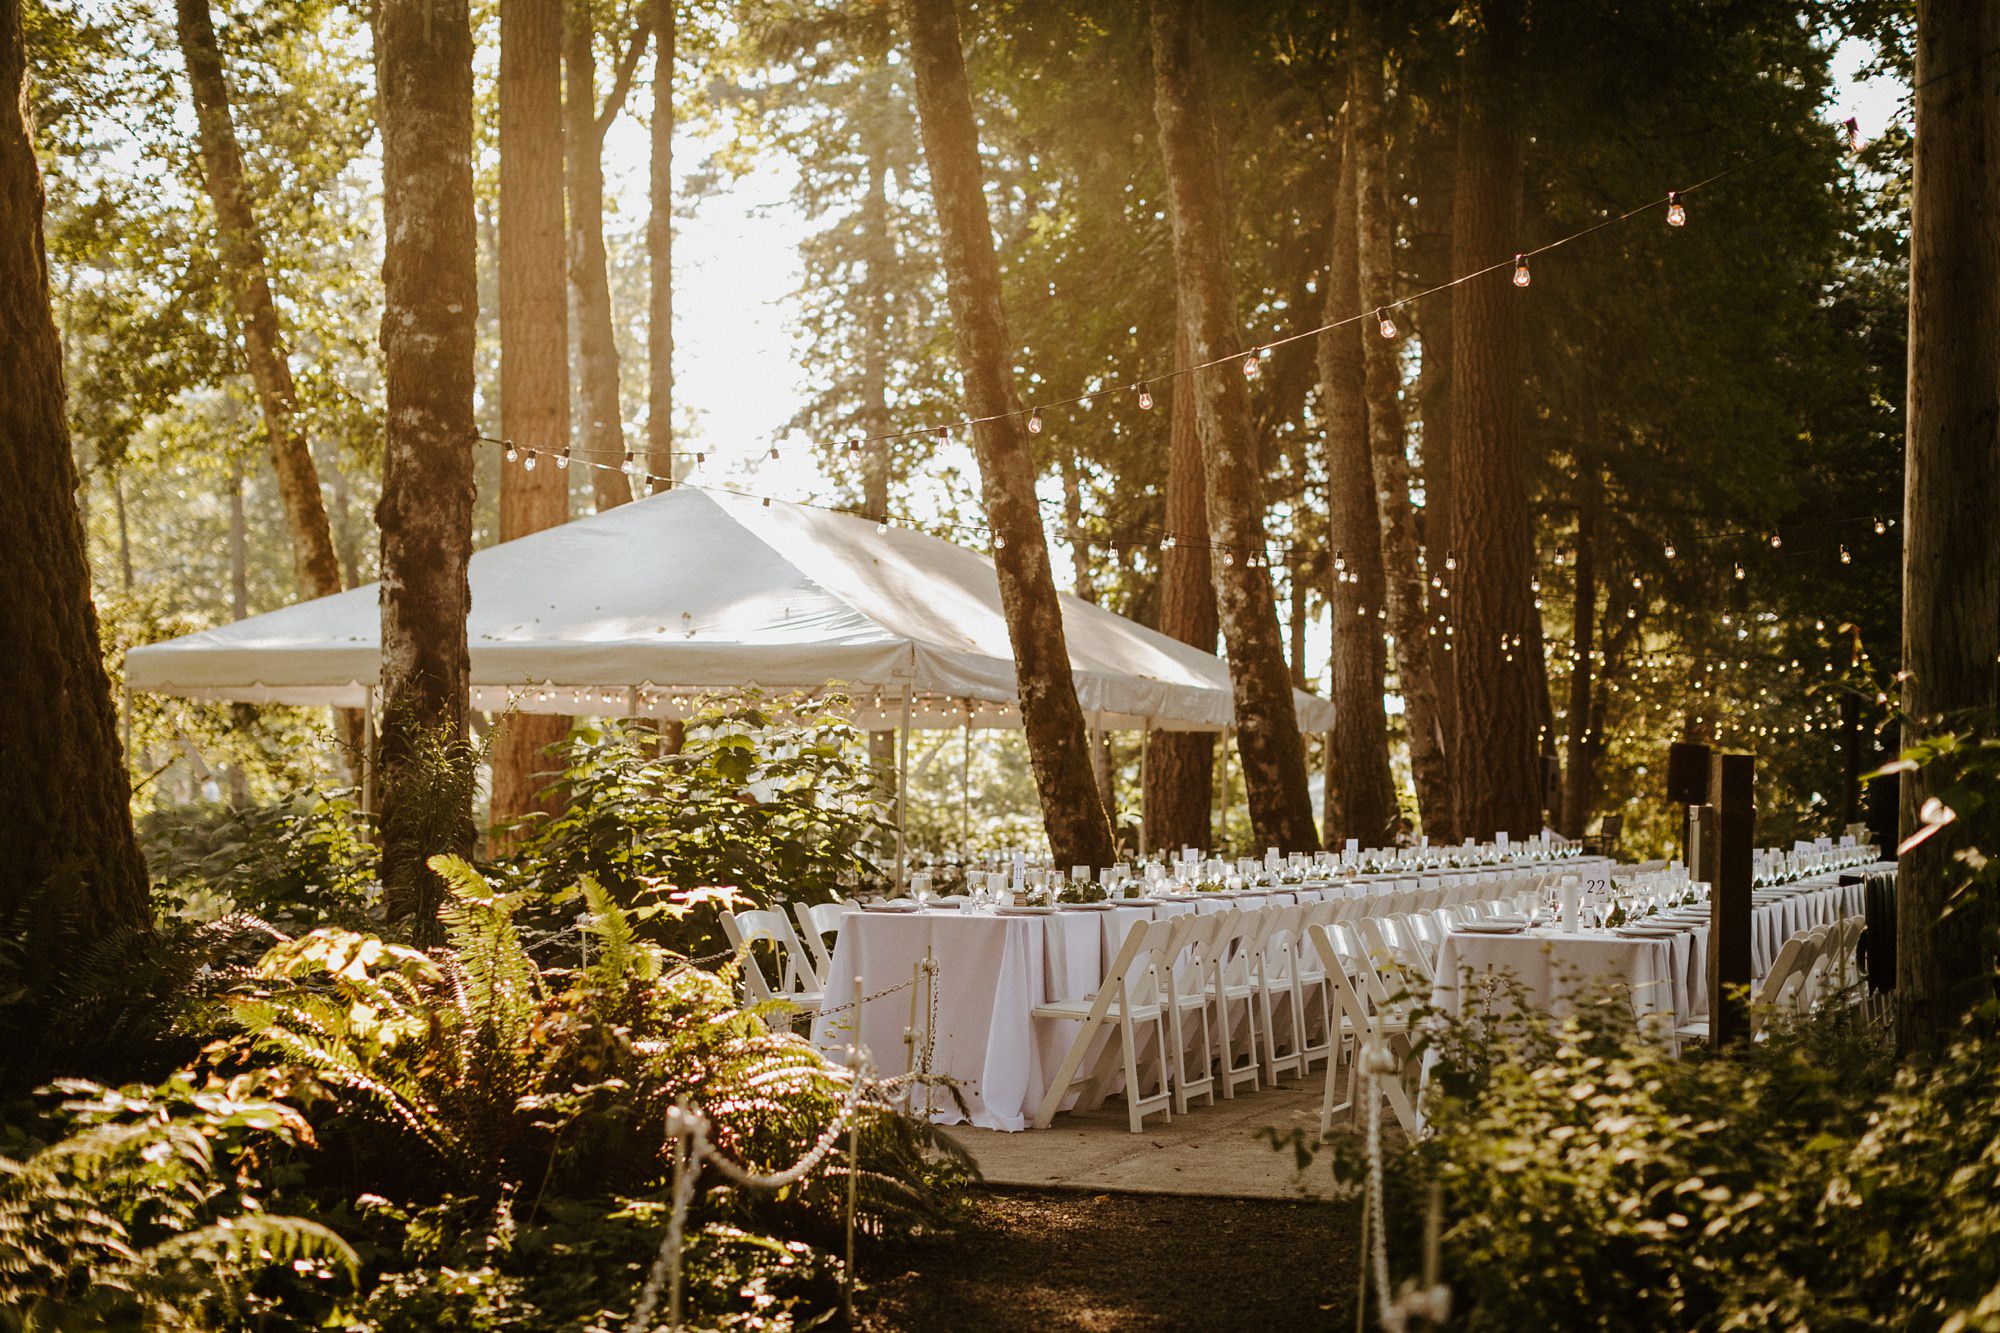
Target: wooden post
1731, 795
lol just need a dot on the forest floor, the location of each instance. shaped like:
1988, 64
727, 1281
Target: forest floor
1044, 1259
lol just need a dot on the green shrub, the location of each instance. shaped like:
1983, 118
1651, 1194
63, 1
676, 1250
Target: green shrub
773, 801
304, 859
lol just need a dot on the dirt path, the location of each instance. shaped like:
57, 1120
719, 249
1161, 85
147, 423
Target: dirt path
1047, 1260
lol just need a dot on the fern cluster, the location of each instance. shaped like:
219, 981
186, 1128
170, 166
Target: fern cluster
146, 1210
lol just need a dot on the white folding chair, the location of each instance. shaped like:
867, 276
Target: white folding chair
797, 992
816, 922
1230, 985
1364, 1028
1129, 997
1280, 1007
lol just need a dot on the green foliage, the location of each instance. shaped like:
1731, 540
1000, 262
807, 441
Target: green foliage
503, 1075
303, 859
1593, 1180
147, 1211
770, 800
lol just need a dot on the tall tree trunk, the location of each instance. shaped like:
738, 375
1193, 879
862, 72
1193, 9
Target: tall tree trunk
1086, 588
1360, 792
68, 826
315, 564
874, 417
239, 545
1267, 731
1430, 251
1409, 612
430, 314
1178, 774
1297, 574
597, 341
660, 249
534, 348
1058, 747
1951, 490
1498, 783
1583, 627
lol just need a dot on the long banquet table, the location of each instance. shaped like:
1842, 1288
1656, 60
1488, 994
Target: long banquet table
994, 968
1666, 976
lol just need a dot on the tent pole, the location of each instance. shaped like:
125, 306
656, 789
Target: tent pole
1145, 753
965, 784
903, 793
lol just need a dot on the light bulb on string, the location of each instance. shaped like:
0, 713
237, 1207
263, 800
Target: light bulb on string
1451, 560
1145, 399
1777, 541
1670, 551
944, 435
1035, 422
562, 459
512, 453
999, 541
774, 453
1880, 527
1521, 278
1846, 556
854, 447
1167, 542
1252, 367
1739, 572
882, 527
700, 457
1677, 214
1383, 322
767, 502
1228, 558
528, 463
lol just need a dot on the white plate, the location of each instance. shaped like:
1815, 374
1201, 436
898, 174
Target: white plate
1492, 927
1023, 909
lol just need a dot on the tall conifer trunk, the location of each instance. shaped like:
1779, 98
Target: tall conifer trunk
1058, 747
1360, 793
660, 249
534, 343
1179, 767
597, 341
1403, 575
1951, 492
1497, 779
315, 563
68, 826
430, 312
1267, 732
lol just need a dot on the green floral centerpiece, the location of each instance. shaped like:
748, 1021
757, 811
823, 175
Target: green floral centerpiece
1082, 891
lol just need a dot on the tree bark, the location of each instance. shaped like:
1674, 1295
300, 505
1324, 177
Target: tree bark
1583, 746
1951, 490
1360, 792
1086, 588
534, 349
874, 418
660, 250
597, 341
68, 830
1498, 781
1178, 773
430, 312
1430, 251
315, 563
1267, 732
1403, 573
1058, 747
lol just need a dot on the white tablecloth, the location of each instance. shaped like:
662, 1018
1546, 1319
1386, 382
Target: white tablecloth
1666, 977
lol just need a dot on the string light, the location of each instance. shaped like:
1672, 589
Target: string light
562, 459
1521, 278
1777, 541
528, 463
1880, 527
513, 453
1451, 560
999, 541
1252, 367
774, 453
1035, 422
854, 447
1145, 399
1739, 572
1677, 214
1670, 551
1384, 322
1846, 556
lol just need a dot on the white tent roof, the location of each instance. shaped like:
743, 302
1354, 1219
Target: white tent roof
637, 610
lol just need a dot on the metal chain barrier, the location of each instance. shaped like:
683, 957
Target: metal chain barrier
693, 1149
1430, 1301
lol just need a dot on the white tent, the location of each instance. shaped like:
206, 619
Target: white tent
636, 611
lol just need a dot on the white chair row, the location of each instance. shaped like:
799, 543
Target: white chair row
801, 960
1207, 1004
1816, 970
